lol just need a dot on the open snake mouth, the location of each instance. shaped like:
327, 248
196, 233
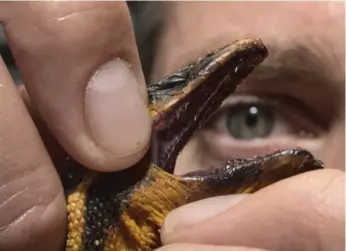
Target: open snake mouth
183, 102
124, 210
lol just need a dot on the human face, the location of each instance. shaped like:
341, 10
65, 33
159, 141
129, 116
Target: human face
295, 98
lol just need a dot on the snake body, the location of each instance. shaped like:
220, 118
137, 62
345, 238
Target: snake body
124, 210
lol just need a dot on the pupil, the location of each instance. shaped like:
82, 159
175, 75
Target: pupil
250, 121
252, 117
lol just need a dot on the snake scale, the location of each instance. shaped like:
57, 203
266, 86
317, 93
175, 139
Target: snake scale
124, 210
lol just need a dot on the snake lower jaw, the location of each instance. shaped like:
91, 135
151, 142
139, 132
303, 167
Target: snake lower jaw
125, 210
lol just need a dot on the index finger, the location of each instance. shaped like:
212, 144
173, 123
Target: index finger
80, 66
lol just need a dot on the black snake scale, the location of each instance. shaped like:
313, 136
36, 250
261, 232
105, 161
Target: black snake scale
124, 210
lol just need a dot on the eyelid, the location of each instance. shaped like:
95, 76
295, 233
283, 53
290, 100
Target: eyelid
279, 101
220, 145
317, 104
286, 114
301, 106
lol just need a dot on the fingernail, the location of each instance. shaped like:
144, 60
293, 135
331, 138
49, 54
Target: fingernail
191, 214
116, 113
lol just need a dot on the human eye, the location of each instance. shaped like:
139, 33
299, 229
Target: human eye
250, 124
249, 118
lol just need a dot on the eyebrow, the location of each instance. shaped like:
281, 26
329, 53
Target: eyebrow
303, 72
299, 63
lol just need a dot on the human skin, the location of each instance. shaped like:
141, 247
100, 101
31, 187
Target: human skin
300, 213
52, 44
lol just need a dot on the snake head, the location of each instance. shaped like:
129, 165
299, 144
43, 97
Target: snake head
124, 210
183, 102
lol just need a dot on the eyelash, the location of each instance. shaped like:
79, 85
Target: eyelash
292, 122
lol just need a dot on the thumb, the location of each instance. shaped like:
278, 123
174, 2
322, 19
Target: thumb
81, 69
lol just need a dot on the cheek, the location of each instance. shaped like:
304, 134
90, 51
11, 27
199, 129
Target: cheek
332, 152
189, 159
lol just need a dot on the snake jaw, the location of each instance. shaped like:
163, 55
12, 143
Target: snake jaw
183, 102
123, 211
252, 174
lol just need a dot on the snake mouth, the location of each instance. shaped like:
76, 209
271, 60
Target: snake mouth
183, 103
252, 174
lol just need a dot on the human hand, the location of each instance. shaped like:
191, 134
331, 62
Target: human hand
305, 212
99, 118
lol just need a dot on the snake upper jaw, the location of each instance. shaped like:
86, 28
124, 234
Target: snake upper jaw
125, 210
183, 102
